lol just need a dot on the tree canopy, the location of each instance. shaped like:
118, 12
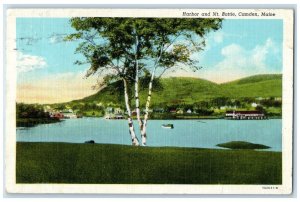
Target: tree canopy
108, 44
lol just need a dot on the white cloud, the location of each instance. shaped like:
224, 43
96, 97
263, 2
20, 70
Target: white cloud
26, 62
237, 62
53, 39
260, 53
213, 39
241, 62
218, 37
56, 39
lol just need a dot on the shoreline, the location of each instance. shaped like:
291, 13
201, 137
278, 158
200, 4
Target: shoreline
200, 118
153, 147
35, 123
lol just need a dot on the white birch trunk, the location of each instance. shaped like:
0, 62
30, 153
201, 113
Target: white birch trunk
136, 87
137, 101
134, 139
144, 127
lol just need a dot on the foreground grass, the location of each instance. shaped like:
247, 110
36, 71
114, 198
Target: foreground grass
100, 163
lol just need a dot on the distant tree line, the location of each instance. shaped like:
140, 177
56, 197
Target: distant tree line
29, 115
204, 107
24, 111
222, 101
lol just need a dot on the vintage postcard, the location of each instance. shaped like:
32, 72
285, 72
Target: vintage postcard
149, 101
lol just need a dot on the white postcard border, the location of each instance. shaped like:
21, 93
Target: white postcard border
287, 107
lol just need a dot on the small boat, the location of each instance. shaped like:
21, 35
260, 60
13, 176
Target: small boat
90, 142
168, 126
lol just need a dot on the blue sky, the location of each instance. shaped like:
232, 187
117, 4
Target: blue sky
241, 48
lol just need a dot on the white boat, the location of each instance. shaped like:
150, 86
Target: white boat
167, 126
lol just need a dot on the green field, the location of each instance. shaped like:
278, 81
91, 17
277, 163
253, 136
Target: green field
114, 164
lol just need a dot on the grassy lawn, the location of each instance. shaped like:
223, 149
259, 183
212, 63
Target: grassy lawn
103, 163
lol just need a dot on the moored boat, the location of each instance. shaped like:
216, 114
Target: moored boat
168, 126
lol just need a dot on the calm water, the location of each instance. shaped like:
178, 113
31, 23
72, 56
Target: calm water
186, 133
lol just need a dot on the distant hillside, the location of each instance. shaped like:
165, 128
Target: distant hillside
191, 90
256, 78
266, 85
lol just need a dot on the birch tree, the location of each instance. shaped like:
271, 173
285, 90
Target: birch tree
174, 41
122, 47
108, 47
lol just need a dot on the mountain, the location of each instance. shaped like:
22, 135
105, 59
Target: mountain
190, 90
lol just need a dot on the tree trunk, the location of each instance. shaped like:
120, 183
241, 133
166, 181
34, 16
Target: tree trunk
134, 139
144, 128
137, 100
136, 87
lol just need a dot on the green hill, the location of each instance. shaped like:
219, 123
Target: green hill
190, 90
266, 85
256, 78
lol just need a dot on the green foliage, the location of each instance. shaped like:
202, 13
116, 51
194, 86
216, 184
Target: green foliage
275, 112
30, 122
121, 164
145, 79
112, 93
29, 115
90, 109
204, 112
30, 111
260, 109
271, 102
90, 113
118, 43
242, 145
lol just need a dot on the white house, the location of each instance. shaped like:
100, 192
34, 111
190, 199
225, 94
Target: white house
253, 104
118, 111
179, 111
69, 115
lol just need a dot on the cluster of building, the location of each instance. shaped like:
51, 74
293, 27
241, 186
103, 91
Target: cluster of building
253, 104
64, 114
245, 115
118, 113
181, 111
114, 113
